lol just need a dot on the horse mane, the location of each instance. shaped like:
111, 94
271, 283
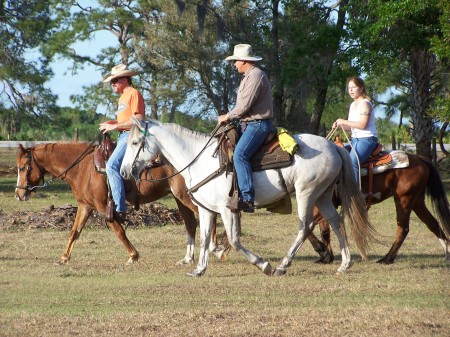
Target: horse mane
187, 132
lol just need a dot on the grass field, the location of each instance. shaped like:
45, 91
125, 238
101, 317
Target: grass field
98, 295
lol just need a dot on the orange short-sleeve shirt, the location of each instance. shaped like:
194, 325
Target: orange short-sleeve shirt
130, 103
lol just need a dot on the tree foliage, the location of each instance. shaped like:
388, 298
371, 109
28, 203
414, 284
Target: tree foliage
23, 96
309, 48
399, 35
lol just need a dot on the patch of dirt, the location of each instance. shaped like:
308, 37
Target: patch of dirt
152, 214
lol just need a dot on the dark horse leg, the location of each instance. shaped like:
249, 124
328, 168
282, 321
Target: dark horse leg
403, 216
430, 221
191, 225
323, 248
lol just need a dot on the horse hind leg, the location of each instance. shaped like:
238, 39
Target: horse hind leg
430, 221
323, 248
218, 251
83, 213
332, 217
298, 242
190, 223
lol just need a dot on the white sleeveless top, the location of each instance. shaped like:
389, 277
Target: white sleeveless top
353, 116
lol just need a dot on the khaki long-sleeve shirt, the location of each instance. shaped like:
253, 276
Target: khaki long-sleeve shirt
254, 98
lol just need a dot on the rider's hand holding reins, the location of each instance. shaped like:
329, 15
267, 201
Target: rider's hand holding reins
223, 119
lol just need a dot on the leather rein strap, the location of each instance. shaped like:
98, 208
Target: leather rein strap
30, 157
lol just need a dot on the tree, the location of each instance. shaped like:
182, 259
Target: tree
25, 26
393, 35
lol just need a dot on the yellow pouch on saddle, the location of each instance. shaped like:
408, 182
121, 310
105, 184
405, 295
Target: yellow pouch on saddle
287, 142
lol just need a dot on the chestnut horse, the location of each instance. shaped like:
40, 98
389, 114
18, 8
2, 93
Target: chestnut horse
408, 186
74, 163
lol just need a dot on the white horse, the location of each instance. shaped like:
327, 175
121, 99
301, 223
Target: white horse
316, 168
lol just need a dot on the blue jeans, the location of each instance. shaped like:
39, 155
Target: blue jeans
363, 147
113, 172
250, 141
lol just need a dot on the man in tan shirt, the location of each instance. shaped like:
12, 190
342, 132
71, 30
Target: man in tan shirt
254, 110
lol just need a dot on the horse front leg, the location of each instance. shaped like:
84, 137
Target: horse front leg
232, 223
83, 214
206, 219
120, 232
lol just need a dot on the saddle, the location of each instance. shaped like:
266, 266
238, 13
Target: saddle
378, 158
269, 156
102, 153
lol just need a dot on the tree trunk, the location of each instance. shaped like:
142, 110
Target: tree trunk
422, 65
153, 100
276, 67
322, 83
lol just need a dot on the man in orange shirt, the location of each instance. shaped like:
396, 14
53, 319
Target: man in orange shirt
131, 103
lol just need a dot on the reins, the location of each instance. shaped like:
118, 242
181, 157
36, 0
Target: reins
332, 132
29, 187
133, 166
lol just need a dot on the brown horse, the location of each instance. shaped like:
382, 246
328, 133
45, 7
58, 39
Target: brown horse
408, 186
74, 163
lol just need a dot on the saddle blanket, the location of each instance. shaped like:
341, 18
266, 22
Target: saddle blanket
399, 160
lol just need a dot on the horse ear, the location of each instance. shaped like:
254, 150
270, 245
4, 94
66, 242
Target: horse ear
135, 120
21, 148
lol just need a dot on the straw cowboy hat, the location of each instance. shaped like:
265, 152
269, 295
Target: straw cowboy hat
120, 70
243, 52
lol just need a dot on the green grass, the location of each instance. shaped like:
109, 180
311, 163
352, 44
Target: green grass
97, 294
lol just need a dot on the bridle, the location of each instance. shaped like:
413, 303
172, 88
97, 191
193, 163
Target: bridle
28, 186
142, 146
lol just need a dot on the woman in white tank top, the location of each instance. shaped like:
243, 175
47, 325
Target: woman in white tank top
361, 123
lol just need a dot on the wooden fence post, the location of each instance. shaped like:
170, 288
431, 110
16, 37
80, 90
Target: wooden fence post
76, 135
393, 142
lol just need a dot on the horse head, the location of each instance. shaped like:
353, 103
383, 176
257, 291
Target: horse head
141, 149
29, 173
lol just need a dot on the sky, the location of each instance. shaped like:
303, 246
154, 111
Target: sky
65, 83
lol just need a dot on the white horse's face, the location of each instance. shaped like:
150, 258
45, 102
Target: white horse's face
141, 149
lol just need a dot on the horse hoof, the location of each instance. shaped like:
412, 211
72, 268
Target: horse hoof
184, 261
267, 268
279, 272
61, 262
325, 259
221, 255
196, 273
132, 260
385, 261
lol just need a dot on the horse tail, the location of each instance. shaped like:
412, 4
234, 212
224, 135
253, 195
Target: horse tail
353, 206
438, 197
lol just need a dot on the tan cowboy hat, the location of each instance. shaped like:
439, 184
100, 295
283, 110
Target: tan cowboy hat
120, 70
243, 52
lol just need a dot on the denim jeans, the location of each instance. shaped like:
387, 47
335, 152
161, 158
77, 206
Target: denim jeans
251, 139
363, 147
113, 172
